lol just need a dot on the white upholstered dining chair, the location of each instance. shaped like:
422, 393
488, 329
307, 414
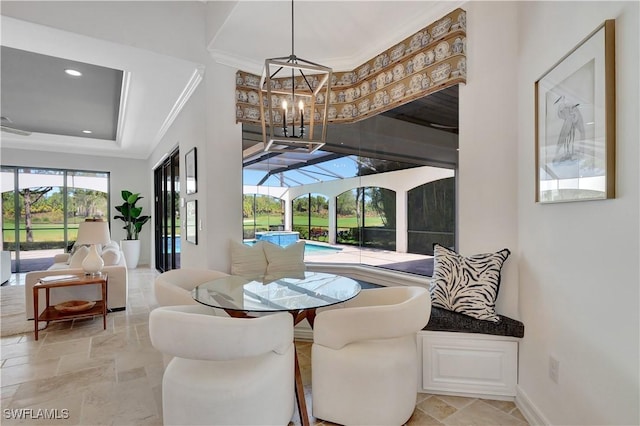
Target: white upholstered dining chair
224, 371
364, 357
174, 287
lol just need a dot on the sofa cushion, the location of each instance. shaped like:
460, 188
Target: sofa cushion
78, 256
445, 320
248, 261
468, 285
289, 259
110, 256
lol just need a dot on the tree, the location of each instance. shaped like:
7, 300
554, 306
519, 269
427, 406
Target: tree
30, 197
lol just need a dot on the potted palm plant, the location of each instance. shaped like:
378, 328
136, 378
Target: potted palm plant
133, 220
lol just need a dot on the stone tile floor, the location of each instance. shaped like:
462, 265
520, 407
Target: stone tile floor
84, 375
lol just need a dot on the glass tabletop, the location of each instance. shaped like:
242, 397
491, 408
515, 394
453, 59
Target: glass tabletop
285, 292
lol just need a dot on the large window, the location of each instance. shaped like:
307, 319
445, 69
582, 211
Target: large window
381, 191
41, 210
261, 213
311, 217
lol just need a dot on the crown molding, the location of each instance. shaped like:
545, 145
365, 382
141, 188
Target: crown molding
190, 87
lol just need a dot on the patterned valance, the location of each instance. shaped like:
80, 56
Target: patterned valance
426, 62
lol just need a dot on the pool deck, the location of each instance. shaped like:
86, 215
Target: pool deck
407, 262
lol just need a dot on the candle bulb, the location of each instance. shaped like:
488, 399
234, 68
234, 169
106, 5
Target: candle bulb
284, 118
301, 106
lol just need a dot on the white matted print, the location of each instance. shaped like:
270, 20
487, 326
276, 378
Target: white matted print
575, 123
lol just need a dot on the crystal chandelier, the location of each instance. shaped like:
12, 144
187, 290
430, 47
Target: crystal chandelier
294, 100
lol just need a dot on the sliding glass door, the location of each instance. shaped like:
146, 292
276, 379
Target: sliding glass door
41, 210
167, 213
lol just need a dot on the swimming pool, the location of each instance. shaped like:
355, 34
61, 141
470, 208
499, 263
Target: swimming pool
310, 248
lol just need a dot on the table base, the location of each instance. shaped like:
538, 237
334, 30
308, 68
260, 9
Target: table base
298, 316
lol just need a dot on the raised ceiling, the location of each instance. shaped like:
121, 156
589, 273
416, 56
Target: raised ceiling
240, 34
39, 96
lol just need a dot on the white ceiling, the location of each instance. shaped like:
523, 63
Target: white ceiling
242, 34
338, 34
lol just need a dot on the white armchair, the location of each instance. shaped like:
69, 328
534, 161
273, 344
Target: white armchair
174, 287
365, 359
224, 371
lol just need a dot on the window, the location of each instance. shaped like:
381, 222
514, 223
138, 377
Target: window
380, 192
41, 210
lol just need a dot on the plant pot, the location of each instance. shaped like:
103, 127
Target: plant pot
131, 252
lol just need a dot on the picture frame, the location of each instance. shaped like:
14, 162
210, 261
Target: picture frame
191, 222
191, 167
575, 123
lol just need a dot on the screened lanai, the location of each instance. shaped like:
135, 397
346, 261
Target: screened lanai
380, 192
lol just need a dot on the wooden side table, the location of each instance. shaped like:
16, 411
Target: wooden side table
50, 313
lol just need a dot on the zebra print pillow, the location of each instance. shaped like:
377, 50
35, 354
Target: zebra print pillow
468, 285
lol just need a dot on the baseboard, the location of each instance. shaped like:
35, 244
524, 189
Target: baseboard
529, 410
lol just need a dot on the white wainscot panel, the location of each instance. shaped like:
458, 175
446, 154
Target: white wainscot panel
465, 364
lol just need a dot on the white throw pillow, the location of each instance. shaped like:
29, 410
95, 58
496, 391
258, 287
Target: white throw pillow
111, 244
78, 256
288, 259
110, 256
248, 261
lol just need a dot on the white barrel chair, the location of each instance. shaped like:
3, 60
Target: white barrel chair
224, 371
174, 287
364, 357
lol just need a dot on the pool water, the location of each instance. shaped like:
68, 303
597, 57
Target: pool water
309, 248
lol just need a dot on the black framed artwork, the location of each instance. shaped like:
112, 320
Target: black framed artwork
191, 223
191, 166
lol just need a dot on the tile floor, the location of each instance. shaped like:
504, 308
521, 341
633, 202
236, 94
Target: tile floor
84, 375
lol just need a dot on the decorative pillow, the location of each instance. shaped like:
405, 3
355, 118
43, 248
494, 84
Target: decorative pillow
289, 259
78, 256
248, 261
111, 244
110, 256
468, 285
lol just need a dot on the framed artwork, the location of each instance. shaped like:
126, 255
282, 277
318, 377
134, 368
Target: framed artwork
575, 123
191, 222
191, 166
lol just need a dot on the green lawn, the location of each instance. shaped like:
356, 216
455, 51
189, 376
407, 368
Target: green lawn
303, 220
41, 232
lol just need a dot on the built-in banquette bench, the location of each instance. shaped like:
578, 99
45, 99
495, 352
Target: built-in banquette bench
462, 355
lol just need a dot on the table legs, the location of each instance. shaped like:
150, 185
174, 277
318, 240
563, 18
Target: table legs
302, 402
298, 316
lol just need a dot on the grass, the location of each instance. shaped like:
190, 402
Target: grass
41, 232
302, 220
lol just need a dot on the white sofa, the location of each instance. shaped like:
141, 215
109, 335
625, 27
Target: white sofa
115, 267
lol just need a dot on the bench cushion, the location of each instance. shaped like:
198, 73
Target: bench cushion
444, 320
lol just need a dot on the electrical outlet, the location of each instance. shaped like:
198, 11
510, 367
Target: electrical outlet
554, 369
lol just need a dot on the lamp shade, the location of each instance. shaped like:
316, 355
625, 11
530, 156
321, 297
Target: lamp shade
93, 233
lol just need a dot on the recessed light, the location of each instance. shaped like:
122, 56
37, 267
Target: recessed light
87, 131
72, 72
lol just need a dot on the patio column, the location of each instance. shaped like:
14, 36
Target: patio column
288, 214
402, 229
332, 220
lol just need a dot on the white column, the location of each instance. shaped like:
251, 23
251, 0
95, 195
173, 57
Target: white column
332, 220
402, 237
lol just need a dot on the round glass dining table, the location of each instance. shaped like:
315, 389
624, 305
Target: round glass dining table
293, 292
298, 293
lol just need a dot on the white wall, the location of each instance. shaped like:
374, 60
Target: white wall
487, 186
223, 204
124, 173
578, 262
